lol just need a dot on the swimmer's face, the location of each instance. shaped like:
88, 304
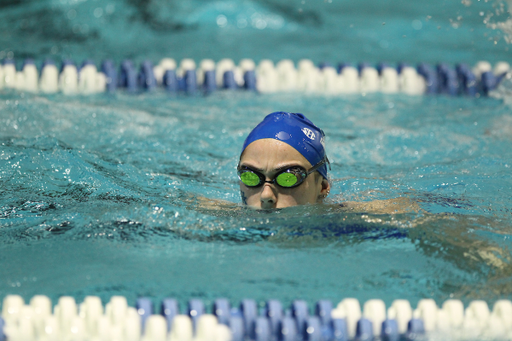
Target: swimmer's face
269, 157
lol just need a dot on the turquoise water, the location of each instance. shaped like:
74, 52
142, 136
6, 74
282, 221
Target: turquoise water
322, 30
103, 195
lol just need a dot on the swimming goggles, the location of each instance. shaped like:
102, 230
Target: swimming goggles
287, 178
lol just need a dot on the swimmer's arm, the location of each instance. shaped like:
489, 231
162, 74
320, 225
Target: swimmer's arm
213, 204
218, 204
387, 206
454, 243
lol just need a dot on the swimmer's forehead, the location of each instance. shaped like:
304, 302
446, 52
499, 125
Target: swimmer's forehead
266, 154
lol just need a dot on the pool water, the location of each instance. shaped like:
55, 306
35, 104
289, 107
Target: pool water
107, 194
100, 197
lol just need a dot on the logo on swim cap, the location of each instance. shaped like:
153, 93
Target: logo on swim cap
310, 134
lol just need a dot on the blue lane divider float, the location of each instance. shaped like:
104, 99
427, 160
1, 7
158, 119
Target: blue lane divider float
189, 82
229, 80
466, 79
488, 83
169, 309
222, 322
390, 330
2, 327
266, 77
300, 312
109, 69
144, 308
250, 80
170, 81
364, 330
447, 80
146, 78
430, 76
249, 310
261, 330
127, 76
195, 310
222, 310
210, 84
236, 327
274, 313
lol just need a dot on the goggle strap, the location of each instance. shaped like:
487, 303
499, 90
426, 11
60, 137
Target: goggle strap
320, 164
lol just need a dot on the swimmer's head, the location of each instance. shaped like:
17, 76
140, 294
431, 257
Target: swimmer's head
295, 130
279, 163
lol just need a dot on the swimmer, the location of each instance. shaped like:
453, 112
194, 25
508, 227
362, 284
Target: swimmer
283, 163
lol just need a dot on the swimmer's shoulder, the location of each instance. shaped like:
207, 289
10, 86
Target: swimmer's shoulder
214, 204
398, 205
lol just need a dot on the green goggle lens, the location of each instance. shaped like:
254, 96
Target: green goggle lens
291, 177
250, 179
286, 179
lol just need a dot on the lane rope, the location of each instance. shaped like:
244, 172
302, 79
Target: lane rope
264, 77
37, 320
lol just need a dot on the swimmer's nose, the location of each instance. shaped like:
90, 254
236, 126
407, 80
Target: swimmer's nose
268, 197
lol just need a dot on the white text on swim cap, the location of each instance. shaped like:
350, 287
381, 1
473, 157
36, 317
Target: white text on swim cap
310, 134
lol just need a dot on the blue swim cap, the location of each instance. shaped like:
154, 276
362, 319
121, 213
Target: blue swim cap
295, 130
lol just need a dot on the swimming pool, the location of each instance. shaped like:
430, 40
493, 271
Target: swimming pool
100, 194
